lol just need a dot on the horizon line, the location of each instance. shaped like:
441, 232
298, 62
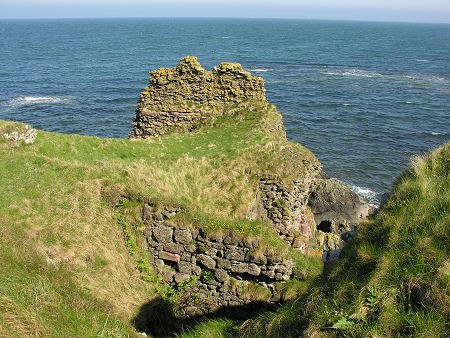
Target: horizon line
224, 17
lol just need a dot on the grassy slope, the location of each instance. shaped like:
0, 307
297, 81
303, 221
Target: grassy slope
65, 268
394, 279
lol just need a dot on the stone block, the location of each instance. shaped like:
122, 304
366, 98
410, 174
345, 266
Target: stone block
269, 273
163, 233
239, 268
173, 247
179, 277
184, 267
206, 261
169, 256
222, 275
236, 254
167, 276
183, 236
223, 264
253, 269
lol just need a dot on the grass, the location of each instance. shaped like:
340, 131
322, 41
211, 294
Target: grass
69, 267
393, 279
71, 242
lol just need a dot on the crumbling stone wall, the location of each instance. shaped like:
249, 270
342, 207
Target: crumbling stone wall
224, 265
180, 98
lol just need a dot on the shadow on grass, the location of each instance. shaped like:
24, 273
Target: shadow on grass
158, 319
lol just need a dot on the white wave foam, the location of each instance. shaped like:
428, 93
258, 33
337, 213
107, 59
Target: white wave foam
434, 133
422, 60
371, 74
259, 70
31, 100
352, 72
347, 104
368, 194
408, 102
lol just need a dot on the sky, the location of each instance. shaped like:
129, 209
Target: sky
366, 10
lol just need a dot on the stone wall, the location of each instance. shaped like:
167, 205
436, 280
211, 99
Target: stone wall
225, 266
180, 98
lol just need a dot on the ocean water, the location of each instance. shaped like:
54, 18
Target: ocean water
364, 97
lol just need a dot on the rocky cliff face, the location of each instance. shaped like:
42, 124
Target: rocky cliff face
180, 98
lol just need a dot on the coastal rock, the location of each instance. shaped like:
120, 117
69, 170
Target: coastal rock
25, 134
184, 97
330, 200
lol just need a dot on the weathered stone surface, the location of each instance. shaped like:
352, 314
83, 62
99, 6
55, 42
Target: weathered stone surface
180, 98
253, 269
331, 200
179, 277
222, 275
167, 276
185, 267
173, 247
25, 134
223, 264
169, 256
183, 236
236, 254
163, 233
206, 261
239, 268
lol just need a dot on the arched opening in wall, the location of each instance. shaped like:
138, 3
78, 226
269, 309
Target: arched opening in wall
325, 226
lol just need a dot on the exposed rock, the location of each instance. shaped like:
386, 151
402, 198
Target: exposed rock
25, 134
331, 200
181, 98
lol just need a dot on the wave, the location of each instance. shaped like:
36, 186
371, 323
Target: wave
422, 60
368, 194
260, 70
372, 74
35, 100
437, 134
352, 72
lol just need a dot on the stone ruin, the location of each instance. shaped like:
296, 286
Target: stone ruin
224, 265
180, 98
309, 211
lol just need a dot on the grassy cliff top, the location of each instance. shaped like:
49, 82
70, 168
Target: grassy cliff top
66, 269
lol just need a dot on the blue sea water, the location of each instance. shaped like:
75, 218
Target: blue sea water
364, 97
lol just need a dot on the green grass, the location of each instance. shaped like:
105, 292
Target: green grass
393, 279
72, 258
67, 267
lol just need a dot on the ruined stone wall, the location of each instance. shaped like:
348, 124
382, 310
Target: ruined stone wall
180, 98
224, 266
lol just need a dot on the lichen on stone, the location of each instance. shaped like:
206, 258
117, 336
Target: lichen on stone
167, 102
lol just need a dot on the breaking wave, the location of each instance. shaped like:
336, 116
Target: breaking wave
35, 100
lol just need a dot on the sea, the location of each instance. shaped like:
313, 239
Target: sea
364, 97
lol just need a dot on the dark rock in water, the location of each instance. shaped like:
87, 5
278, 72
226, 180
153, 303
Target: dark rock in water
331, 200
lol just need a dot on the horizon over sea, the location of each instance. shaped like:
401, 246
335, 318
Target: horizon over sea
364, 97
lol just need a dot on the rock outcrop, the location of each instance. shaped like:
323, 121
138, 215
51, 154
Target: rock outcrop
180, 98
23, 133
